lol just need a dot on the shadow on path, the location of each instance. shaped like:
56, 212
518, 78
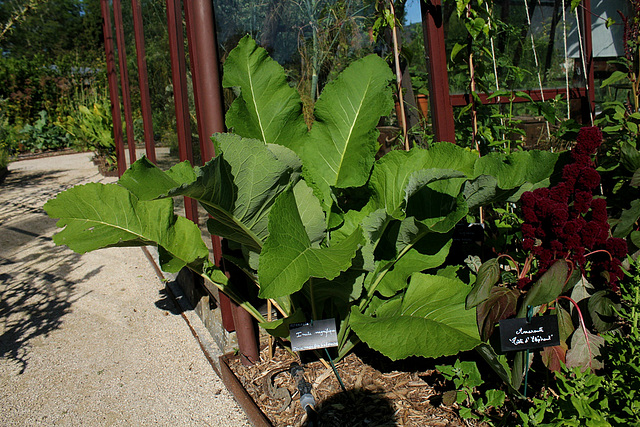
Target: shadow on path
35, 286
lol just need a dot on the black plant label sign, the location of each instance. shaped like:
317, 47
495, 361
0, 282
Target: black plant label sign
520, 334
313, 335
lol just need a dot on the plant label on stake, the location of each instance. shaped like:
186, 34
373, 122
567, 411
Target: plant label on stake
313, 335
520, 334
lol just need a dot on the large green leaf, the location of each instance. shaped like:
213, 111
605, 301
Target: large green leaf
311, 212
602, 310
483, 190
239, 186
629, 157
268, 109
437, 203
343, 140
373, 225
288, 260
392, 173
147, 182
334, 297
429, 252
416, 247
431, 321
98, 216
517, 168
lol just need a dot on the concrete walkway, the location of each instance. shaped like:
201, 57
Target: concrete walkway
90, 340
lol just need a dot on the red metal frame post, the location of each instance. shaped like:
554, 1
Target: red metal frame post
124, 78
143, 79
193, 60
209, 88
210, 105
436, 56
180, 97
112, 79
208, 73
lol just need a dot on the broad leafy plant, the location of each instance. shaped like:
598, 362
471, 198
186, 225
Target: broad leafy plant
325, 230
91, 128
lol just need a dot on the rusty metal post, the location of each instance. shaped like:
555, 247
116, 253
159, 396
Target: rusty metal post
112, 79
203, 48
193, 60
208, 73
124, 78
143, 79
180, 97
246, 334
436, 56
209, 88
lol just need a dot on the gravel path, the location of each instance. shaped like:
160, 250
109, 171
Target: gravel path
90, 339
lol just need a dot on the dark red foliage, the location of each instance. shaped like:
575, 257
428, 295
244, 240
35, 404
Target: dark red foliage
523, 282
565, 221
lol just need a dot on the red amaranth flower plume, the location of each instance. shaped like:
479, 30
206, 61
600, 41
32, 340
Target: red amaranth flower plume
565, 221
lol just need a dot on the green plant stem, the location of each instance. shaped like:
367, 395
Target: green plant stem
347, 347
234, 297
396, 57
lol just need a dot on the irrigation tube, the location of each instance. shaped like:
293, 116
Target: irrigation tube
307, 401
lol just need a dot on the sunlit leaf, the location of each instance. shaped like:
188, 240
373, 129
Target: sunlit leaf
268, 109
431, 321
97, 216
343, 140
288, 260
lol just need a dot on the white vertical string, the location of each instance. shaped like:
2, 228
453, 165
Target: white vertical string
584, 62
535, 57
495, 65
493, 50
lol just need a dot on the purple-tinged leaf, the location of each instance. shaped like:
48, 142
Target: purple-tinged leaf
554, 357
501, 304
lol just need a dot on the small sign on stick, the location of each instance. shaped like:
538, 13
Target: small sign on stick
520, 334
313, 335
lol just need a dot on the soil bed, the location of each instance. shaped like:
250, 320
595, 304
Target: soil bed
381, 396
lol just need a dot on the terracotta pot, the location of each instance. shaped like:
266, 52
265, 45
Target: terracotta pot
423, 105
